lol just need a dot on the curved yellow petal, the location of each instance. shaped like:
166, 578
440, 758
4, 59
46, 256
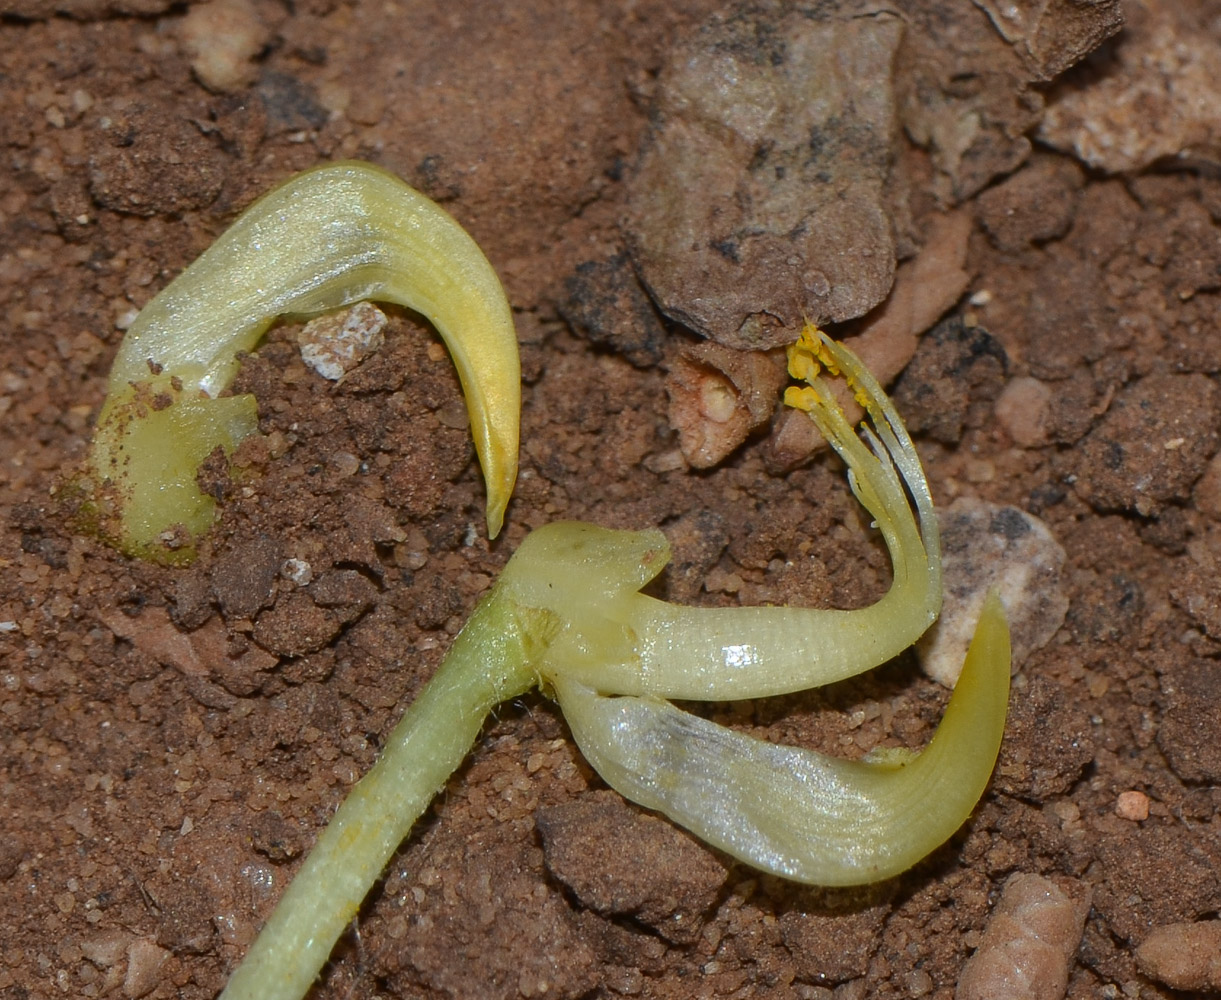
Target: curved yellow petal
725, 653
793, 812
325, 238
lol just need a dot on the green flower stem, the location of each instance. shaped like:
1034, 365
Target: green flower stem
490, 661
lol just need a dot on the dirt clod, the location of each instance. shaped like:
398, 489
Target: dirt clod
623, 863
1034, 205
834, 944
956, 374
1193, 704
296, 626
1155, 875
485, 930
243, 579
604, 302
1184, 956
151, 161
1151, 446
1053, 745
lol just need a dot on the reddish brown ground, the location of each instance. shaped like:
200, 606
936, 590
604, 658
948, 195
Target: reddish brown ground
150, 812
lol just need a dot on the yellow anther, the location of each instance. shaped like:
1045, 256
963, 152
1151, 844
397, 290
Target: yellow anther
801, 397
802, 365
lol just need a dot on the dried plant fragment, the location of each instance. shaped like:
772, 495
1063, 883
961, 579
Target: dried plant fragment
925, 289
718, 396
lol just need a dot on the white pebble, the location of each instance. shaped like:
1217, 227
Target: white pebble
334, 344
222, 39
297, 570
989, 547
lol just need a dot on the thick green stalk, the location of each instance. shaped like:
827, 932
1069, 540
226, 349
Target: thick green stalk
489, 662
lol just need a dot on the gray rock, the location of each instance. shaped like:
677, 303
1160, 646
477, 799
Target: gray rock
766, 187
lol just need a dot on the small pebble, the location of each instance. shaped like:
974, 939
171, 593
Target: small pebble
1133, 806
1184, 956
105, 948
297, 570
144, 961
1024, 410
222, 39
333, 345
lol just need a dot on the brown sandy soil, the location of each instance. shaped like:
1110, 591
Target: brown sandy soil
172, 739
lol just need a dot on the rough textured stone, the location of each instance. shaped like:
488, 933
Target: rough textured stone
766, 187
989, 547
966, 97
85, 10
1155, 97
1051, 35
967, 82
